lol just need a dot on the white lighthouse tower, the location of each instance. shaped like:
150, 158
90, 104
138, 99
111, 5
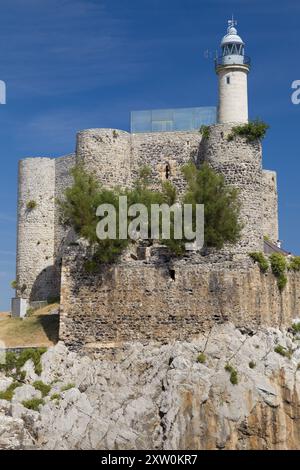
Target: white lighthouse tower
232, 68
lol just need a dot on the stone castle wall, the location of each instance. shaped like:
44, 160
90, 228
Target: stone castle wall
115, 158
106, 153
164, 300
270, 205
41, 238
241, 164
165, 153
35, 245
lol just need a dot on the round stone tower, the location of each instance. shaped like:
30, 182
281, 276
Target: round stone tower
36, 276
232, 68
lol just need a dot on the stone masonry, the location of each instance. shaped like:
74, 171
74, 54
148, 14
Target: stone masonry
164, 300
115, 158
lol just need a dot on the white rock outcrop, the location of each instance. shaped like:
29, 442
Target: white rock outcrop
162, 397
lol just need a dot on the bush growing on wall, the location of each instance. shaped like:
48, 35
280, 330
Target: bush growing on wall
252, 131
262, 261
279, 266
221, 204
204, 186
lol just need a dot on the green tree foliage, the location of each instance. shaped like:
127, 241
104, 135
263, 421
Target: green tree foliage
78, 210
294, 264
252, 131
204, 186
221, 204
205, 131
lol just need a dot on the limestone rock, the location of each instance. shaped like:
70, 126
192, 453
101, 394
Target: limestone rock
5, 383
25, 392
160, 397
11, 433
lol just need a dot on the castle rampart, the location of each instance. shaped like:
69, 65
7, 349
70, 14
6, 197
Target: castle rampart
115, 158
161, 300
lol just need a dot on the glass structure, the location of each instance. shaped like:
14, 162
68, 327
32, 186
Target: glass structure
171, 120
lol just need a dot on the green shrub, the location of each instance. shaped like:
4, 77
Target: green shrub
296, 327
31, 205
33, 404
283, 351
9, 362
42, 387
15, 361
55, 396
252, 365
234, 378
19, 376
67, 387
281, 282
8, 393
233, 374
262, 261
279, 266
14, 284
33, 354
205, 131
201, 358
294, 264
252, 131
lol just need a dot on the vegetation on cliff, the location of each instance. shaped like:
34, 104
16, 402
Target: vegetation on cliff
279, 267
261, 260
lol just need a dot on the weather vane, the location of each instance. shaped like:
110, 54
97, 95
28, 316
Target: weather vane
232, 23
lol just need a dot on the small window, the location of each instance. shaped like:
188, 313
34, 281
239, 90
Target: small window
228, 80
168, 171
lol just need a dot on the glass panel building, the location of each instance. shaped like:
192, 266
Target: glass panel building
168, 120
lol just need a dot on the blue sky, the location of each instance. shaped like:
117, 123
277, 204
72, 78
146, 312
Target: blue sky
75, 64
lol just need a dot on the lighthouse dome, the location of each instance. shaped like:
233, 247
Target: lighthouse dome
231, 37
233, 47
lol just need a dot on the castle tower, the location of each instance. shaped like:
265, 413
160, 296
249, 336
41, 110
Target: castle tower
232, 68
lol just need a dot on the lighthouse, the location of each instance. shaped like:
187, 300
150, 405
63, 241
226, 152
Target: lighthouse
232, 68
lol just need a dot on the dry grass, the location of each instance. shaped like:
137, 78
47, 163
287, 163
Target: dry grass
39, 330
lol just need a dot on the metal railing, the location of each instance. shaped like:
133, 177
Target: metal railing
223, 60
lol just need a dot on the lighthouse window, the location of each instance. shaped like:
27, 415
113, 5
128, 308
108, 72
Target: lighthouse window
228, 80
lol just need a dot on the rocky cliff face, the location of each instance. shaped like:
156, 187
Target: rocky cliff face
238, 394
